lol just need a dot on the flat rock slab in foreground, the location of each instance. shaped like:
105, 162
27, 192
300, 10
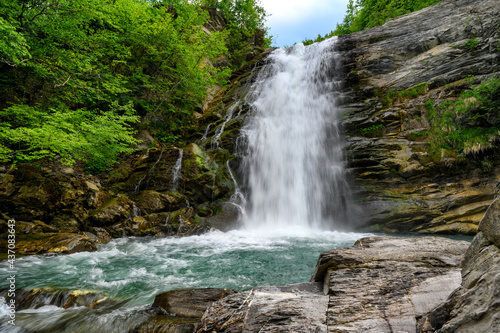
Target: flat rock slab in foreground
381, 284
293, 308
386, 284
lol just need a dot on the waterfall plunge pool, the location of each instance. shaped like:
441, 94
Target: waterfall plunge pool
134, 270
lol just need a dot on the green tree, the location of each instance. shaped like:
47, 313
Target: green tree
95, 63
364, 14
13, 47
246, 19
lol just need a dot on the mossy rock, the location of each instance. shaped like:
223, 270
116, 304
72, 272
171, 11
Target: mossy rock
62, 243
152, 202
119, 208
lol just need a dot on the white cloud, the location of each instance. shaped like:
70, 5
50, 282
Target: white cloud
293, 20
300, 10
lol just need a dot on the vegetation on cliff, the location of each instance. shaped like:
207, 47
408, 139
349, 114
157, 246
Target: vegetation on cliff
364, 14
470, 125
78, 76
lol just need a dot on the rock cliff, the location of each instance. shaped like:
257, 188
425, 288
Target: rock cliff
393, 72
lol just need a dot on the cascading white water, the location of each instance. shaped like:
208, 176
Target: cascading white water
294, 156
176, 171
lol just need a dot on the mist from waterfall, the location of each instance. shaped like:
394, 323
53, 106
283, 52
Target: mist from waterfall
293, 147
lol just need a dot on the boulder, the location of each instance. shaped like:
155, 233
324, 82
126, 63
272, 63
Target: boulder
227, 216
474, 307
145, 140
385, 284
490, 224
61, 243
117, 209
166, 324
292, 308
152, 202
381, 284
190, 303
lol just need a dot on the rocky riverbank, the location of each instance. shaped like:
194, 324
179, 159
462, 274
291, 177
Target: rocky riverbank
381, 284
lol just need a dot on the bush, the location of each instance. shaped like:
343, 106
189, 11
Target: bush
469, 126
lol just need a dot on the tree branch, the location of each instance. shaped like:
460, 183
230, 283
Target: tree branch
63, 84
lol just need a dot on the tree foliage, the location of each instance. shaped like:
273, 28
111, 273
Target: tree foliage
245, 19
364, 14
75, 73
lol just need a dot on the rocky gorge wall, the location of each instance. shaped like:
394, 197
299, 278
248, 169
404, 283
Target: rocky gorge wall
392, 72
184, 190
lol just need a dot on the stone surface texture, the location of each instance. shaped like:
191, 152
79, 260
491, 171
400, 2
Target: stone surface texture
475, 306
381, 284
399, 185
292, 308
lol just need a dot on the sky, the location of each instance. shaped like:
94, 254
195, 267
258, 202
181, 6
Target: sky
292, 21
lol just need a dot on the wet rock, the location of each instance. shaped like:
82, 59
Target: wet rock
490, 224
62, 243
117, 209
102, 235
184, 222
227, 217
36, 298
6, 184
151, 201
166, 324
384, 284
473, 307
293, 308
190, 303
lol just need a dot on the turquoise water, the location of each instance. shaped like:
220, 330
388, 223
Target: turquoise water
134, 270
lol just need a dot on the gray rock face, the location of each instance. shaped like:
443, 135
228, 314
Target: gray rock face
429, 45
474, 307
227, 218
381, 284
293, 308
400, 186
190, 303
385, 284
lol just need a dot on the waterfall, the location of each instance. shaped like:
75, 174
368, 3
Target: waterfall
217, 136
176, 171
294, 149
136, 212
